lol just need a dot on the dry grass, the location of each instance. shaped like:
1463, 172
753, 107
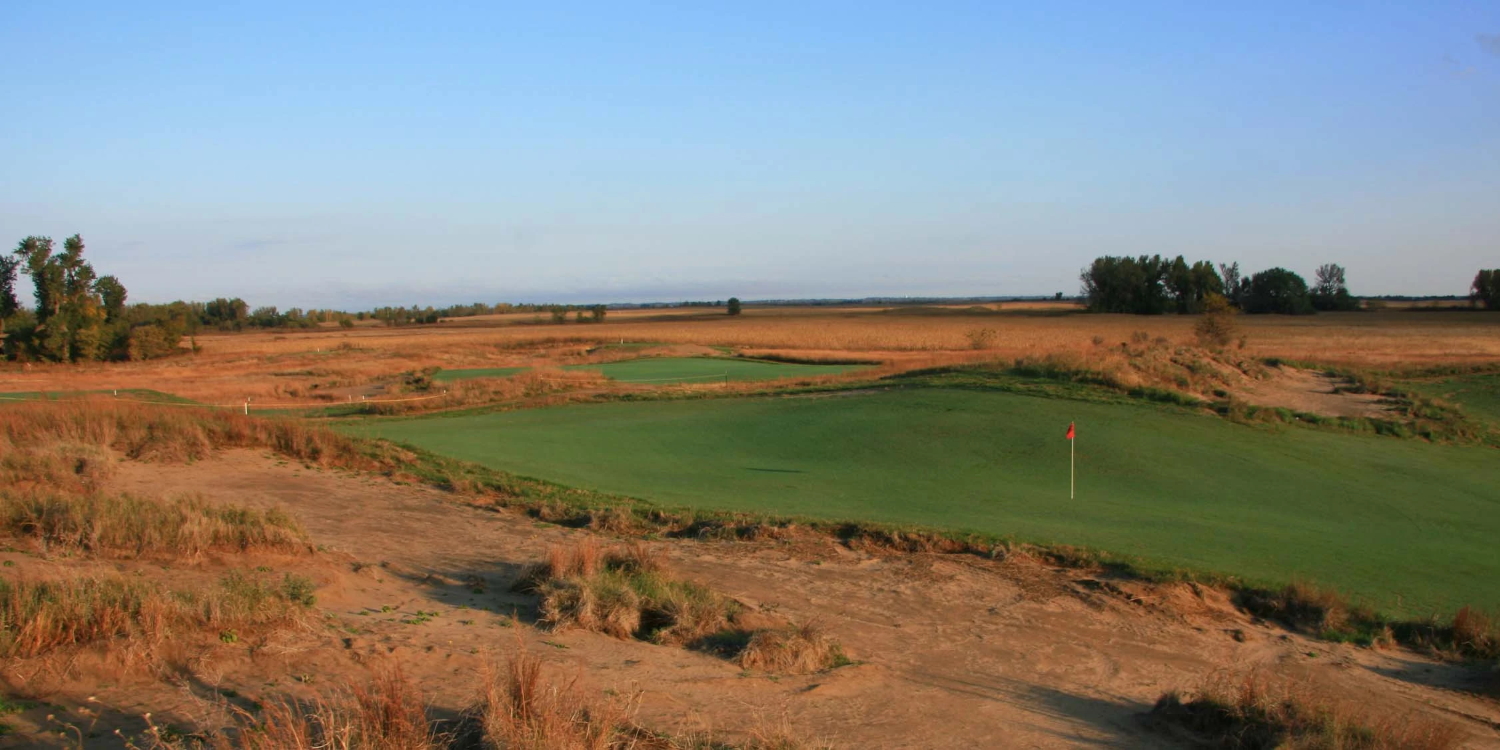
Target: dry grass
1306, 606
184, 527
1255, 712
1474, 633
53, 436
332, 365
41, 615
627, 591
624, 591
791, 650
518, 708
386, 713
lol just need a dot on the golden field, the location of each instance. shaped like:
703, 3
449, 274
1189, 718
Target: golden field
292, 367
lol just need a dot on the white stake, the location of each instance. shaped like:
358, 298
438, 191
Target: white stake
1071, 484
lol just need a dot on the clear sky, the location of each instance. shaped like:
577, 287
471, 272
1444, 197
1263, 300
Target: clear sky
305, 154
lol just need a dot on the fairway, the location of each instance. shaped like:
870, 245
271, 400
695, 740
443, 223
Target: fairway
667, 370
1407, 526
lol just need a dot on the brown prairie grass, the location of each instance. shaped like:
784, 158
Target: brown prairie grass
41, 615
1256, 712
333, 364
386, 713
156, 433
184, 527
518, 707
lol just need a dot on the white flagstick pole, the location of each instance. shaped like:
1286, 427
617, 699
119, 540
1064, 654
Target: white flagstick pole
1071, 483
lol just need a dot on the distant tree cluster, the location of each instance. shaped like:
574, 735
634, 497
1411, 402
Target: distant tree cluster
1149, 285
1486, 289
1152, 285
79, 315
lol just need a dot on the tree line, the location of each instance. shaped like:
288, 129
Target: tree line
1153, 285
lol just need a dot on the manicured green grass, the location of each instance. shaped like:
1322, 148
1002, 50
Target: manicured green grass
1478, 395
667, 370
1407, 526
446, 376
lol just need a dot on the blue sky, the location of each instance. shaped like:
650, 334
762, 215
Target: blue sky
366, 154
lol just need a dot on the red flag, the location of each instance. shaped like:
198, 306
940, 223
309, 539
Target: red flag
1070, 430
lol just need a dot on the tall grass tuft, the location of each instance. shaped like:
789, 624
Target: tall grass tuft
519, 708
386, 713
624, 591
792, 650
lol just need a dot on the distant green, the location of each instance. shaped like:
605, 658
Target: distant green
1407, 526
447, 376
667, 370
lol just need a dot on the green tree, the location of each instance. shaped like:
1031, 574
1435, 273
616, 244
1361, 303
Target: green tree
1215, 327
9, 305
70, 313
112, 295
598, 312
734, 305
1329, 291
1234, 289
1486, 289
1277, 290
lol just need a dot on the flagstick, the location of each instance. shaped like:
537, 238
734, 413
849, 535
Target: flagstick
1071, 484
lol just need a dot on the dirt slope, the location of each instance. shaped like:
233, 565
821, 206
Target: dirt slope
952, 651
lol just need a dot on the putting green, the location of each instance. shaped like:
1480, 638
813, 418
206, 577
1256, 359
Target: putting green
447, 376
668, 370
1407, 526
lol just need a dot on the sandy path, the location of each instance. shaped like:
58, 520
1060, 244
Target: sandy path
954, 651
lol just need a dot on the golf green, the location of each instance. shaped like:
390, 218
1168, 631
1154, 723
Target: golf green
1407, 526
667, 370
